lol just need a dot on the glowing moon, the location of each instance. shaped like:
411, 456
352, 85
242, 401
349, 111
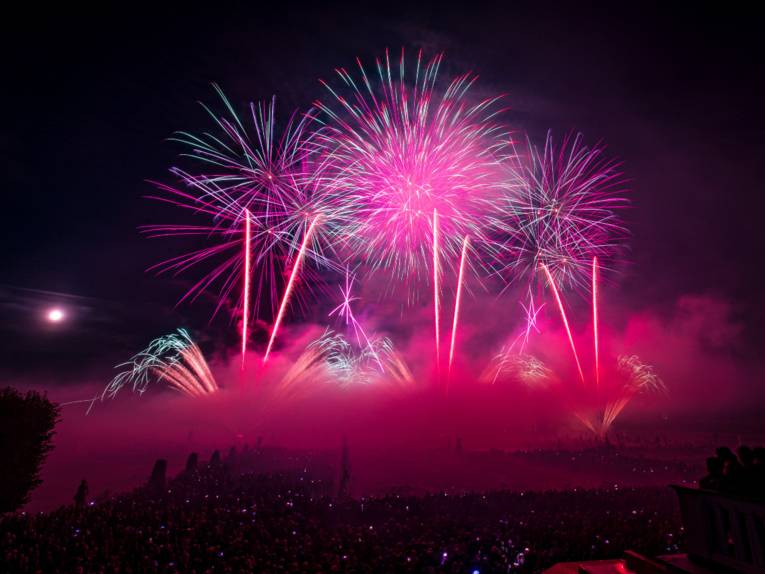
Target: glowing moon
55, 315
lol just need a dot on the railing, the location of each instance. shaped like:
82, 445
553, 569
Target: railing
723, 530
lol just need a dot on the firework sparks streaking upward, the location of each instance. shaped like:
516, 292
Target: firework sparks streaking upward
458, 298
246, 286
290, 286
436, 289
559, 301
595, 318
402, 148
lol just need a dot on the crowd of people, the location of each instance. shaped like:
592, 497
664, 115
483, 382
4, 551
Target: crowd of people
742, 475
223, 517
609, 462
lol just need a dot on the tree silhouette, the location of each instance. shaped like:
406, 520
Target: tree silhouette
27, 423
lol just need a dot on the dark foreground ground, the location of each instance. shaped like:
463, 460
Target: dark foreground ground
233, 517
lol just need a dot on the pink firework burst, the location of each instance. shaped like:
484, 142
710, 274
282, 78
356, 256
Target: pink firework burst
559, 210
267, 171
403, 150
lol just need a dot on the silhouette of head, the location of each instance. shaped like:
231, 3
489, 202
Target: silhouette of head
745, 455
725, 453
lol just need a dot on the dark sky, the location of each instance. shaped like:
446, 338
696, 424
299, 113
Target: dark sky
89, 97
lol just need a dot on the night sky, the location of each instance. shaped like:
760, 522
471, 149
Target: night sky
90, 97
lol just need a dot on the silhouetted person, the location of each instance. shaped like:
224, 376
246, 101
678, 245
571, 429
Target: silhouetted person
731, 471
81, 495
191, 463
746, 457
758, 469
747, 480
158, 476
215, 458
741, 476
713, 479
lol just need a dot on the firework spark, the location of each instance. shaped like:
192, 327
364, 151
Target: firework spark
174, 360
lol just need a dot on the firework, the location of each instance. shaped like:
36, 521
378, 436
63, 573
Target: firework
522, 368
531, 314
497, 364
345, 311
402, 150
333, 359
174, 360
263, 180
638, 378
560, 209
631, 376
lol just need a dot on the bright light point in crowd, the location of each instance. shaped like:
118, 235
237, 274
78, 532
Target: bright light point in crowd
55, 315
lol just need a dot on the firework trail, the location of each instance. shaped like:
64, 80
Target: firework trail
173, 359
460, 279
558, 300
290, 285
246, 287
332, 359
266, 178
436, 289
595, 318
560, 209
401, 149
